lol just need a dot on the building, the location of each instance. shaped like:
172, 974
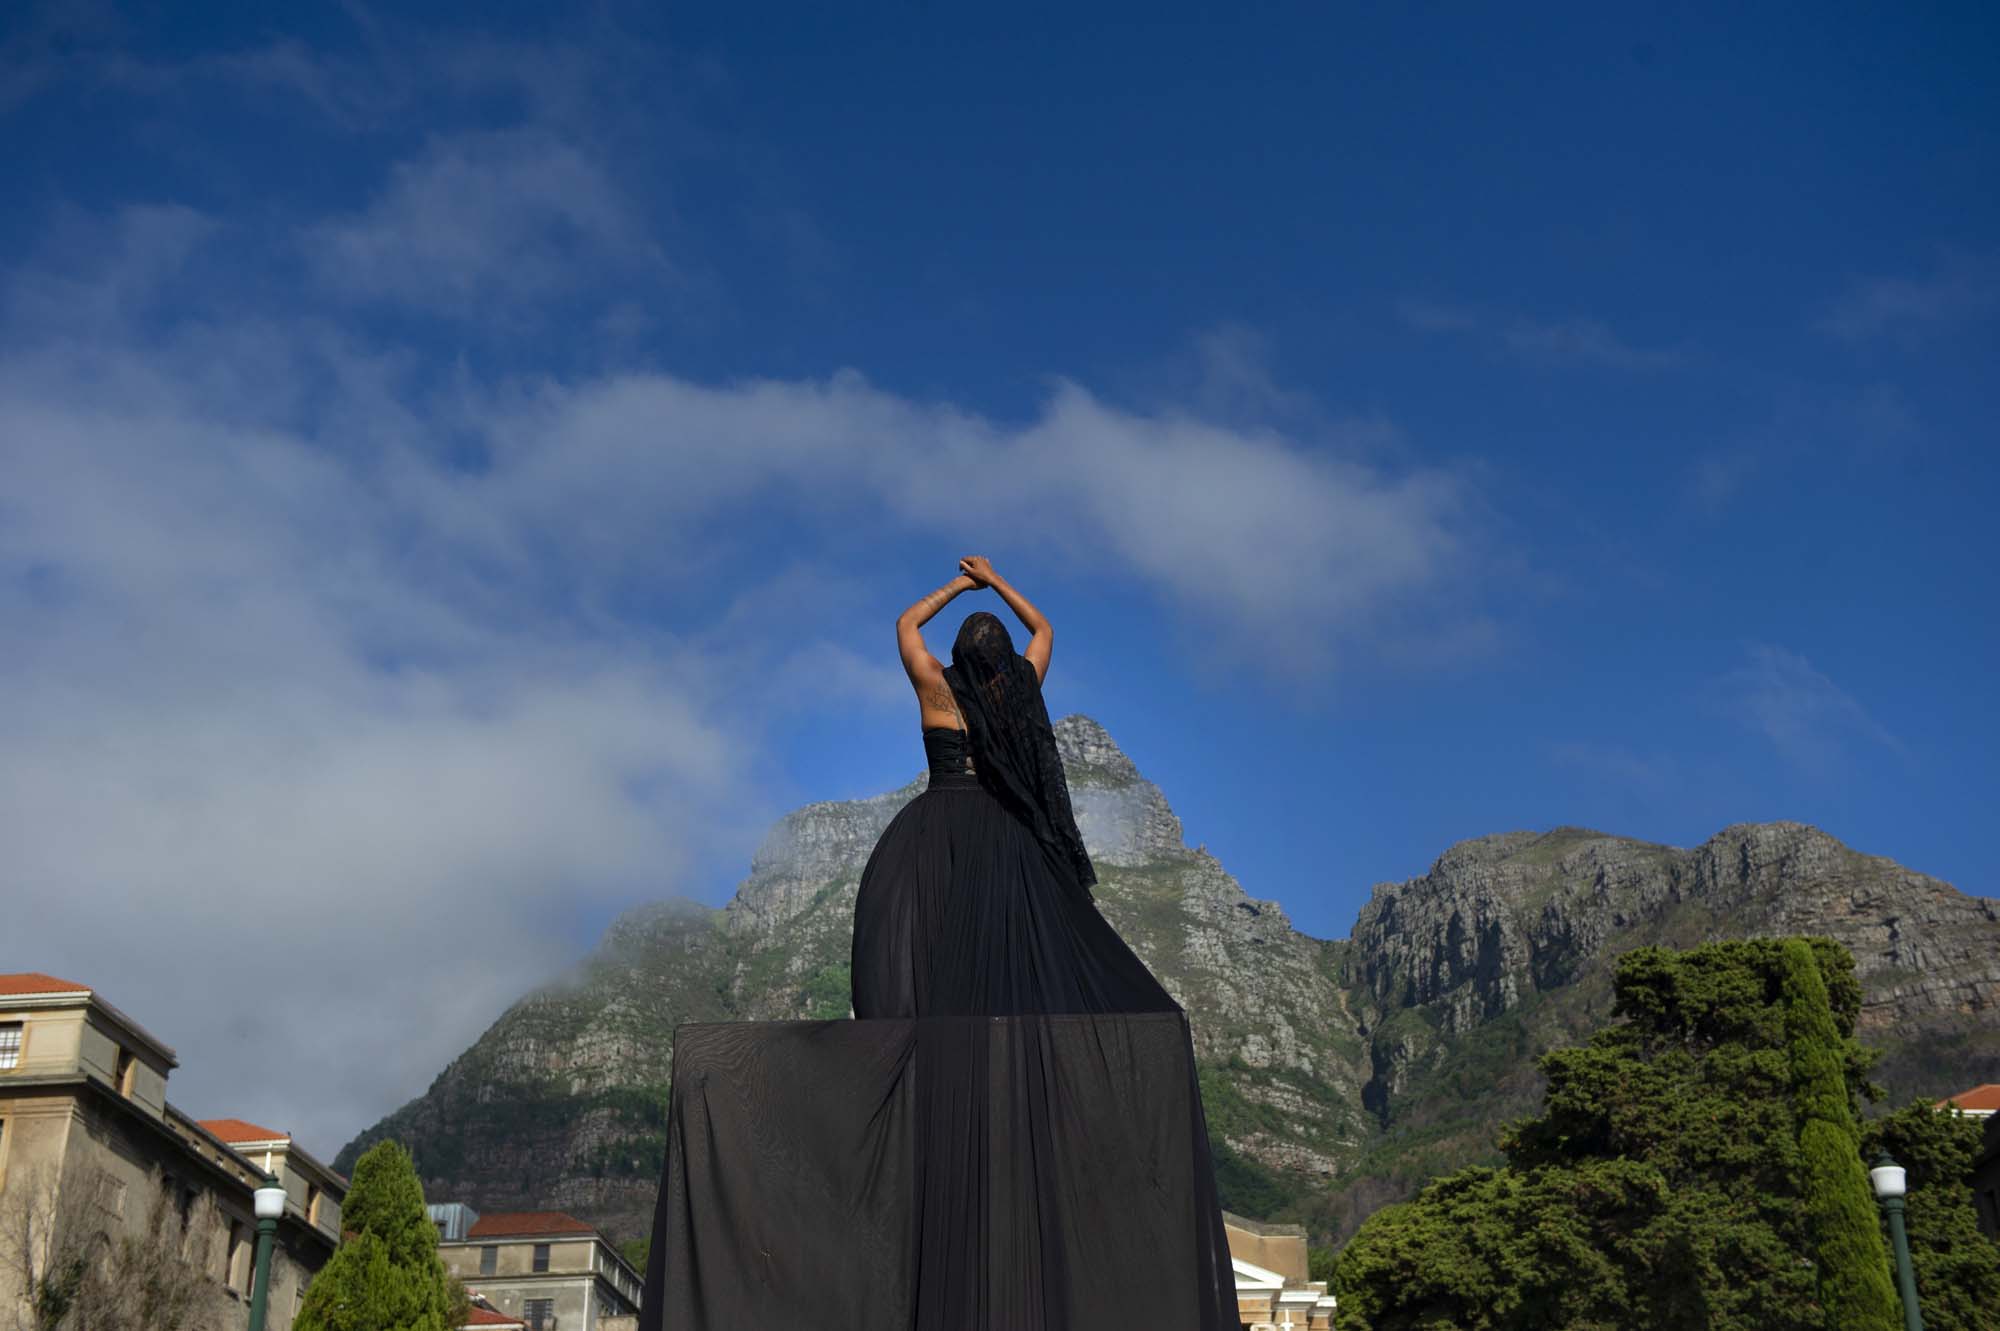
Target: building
483, 1316
1272, 1288
1986, 1178
1979, 1102
1983, 1102
86, 1129
549, 1269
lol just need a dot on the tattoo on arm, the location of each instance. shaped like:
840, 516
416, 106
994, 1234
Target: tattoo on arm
936, 601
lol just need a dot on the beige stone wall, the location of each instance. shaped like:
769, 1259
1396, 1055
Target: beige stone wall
63, 1040
77, 1147
578, 1268
1275, 1247
515, 1257
571, 1295
49, 1040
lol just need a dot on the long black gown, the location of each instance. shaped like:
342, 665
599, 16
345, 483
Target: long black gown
1007, 1137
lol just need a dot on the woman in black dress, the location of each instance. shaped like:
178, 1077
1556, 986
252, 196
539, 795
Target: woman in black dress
1009, 1136
976, 899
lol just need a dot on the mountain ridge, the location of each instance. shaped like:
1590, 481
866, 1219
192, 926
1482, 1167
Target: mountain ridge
1337, 1073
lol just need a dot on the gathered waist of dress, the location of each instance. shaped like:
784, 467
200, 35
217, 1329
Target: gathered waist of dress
950, 759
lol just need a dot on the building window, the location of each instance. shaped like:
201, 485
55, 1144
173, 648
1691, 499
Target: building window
10, 1045
127, 1070
489, 1259
539, 1314
312, 1203
182, 1198
230, 1276
541, 1256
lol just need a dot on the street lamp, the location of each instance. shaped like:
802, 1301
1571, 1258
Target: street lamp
270, 1204
1890, 1185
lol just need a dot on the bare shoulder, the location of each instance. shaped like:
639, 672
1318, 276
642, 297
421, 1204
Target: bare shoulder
1037, 652
935, 704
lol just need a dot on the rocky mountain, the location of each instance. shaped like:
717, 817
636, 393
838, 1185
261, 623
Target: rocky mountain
1337, 1073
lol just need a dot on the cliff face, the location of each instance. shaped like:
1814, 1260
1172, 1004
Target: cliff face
1337, 1073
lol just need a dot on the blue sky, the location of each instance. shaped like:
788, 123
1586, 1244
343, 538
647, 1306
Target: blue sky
462, 465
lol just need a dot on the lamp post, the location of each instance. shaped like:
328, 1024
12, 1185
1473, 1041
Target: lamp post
1890, 1184
270, 1204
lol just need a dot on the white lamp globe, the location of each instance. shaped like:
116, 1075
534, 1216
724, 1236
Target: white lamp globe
1888, 1178
270, 1200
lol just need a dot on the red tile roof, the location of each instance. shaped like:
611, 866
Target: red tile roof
234, 1130
34, 982
1979, 1097
520, 1224
487, 1317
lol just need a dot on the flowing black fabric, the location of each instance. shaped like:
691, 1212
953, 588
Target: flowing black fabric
1008, 1136
1013, 744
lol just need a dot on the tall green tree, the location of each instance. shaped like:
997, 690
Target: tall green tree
1662, 1184
386, 1275
1851, 1262
1957, 1266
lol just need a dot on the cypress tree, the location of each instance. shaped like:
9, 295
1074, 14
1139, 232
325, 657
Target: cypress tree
1838, 1206
386, 1275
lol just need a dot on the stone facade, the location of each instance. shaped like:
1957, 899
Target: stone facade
550, 1270
1272, 1288
86, 1134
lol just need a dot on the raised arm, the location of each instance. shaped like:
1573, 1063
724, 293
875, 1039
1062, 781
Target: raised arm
1037, 623
926, 672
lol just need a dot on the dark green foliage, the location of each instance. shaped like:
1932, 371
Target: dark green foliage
387, 1275
636, 1251
1957, 1267
1245, 1185
1488, 1249
828, 993
1663, 1183
1842, 1227
385, 1199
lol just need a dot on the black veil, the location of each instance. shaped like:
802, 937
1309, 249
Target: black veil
1013, 745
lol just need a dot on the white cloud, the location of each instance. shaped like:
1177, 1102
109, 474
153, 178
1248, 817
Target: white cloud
1429, 316
1718, 477
480, 222
1242, 529
1965, 287
1549, 342
1582, 342
1651, 777
1812, 722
